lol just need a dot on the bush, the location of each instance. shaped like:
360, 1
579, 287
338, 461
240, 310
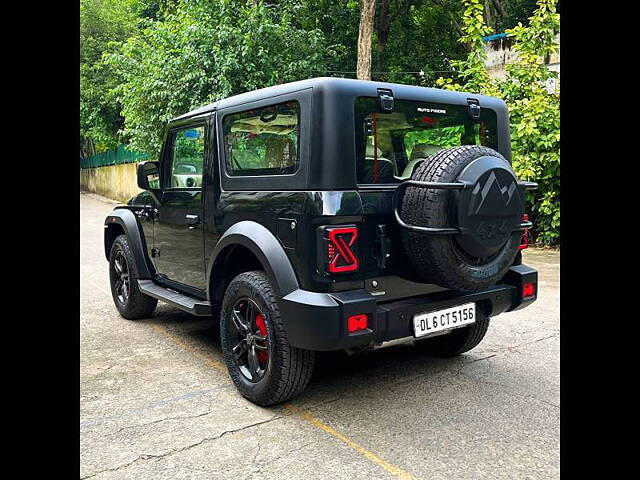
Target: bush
534, 110
205, 51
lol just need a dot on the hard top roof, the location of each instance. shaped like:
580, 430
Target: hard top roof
356, 87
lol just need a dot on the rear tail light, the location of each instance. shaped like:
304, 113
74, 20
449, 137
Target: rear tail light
524, 241
356, 323
338, 249
528, 290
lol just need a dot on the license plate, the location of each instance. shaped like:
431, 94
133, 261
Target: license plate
440, 320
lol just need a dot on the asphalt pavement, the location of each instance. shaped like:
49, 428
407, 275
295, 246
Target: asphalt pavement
157, 403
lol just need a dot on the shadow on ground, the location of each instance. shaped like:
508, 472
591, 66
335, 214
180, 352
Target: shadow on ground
344, 374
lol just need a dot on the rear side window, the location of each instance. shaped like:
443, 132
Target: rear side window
264, 141
389, 146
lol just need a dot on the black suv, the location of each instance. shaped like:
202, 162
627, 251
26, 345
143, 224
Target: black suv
327, 214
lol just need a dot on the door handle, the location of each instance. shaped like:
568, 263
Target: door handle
143, 215
147, 213
192, 221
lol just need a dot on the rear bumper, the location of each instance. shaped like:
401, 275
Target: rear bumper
317, 321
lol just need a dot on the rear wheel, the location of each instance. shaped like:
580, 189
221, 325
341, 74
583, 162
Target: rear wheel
457, 342
123, 275
264, 367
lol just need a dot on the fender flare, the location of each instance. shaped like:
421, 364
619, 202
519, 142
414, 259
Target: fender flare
266, 247
129, 223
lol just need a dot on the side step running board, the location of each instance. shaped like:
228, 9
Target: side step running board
191, 305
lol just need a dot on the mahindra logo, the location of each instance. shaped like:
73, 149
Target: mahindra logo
491, 197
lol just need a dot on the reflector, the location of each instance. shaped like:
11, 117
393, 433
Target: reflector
524, 242
356, 322
528, 290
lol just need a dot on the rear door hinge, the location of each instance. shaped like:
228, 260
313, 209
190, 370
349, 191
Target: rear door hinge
474, 109
386, 100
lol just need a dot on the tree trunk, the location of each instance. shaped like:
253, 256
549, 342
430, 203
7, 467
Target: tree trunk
454, 22
367, 14
382, 31
499, 8
488, 18
87, 147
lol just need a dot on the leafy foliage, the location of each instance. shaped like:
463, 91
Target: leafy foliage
338, 22
101, 21
445, 137
535, 116
471, 72
146, 61
164, 71
421, 38
534, 108
410, 36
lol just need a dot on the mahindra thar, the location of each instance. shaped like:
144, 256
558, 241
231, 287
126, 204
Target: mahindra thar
327, 214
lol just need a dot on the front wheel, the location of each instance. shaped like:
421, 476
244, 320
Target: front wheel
457, 342
264, 367
123, 276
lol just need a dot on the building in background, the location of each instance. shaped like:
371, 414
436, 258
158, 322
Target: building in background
500, 53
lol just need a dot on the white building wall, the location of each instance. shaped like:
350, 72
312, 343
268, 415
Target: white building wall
500, 52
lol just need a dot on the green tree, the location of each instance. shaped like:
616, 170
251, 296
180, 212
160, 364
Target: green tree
517, 11
534, 108
338, 20
101, 21
535, 115
409, 36
205, 50
417, 36
471, 72
152, 9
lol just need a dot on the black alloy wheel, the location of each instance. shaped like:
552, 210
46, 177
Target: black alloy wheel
249, 334
263, 365
131, 303
122, 286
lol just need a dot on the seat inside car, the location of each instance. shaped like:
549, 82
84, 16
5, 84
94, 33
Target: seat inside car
385, 167
280, 152
420, 152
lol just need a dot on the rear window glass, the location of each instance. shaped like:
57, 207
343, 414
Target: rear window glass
389, 146
263, 141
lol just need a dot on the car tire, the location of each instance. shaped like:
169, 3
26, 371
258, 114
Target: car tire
457, 342
131, 303
250, 313
440, 259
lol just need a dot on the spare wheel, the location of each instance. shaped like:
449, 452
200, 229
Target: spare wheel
488, 212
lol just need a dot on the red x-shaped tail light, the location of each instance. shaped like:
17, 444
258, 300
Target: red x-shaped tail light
339, 249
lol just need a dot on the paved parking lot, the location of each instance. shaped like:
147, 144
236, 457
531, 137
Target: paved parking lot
156, 401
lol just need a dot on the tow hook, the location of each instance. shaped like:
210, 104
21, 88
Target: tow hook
365, 348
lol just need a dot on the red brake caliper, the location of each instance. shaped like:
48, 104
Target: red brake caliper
262, 354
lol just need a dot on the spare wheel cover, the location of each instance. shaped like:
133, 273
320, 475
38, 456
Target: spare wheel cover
490, 208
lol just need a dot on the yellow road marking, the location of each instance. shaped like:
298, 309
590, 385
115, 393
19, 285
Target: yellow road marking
372, 457
392, 469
